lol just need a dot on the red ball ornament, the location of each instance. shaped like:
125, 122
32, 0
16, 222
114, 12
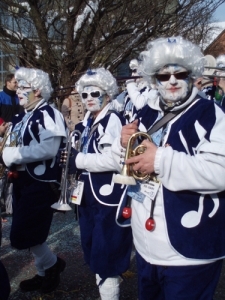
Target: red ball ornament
150, 224
15, 174
126, 212
12, 174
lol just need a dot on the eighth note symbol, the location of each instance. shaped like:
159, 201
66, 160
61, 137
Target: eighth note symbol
192, 218
106, 189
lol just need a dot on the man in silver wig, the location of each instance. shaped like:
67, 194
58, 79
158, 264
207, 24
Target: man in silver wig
139, 92
177, 216
220, 90
39, 132
106, 246
215, 89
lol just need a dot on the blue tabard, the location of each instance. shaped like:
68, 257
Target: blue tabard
99, 179
44, 117
205, 240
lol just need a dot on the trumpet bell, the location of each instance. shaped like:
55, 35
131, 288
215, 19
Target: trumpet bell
124, 179
61, 206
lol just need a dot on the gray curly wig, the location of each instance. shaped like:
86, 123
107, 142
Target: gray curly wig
220, 61
173, 50
37, 79
98, 77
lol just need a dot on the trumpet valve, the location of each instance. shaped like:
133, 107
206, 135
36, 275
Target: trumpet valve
63, 157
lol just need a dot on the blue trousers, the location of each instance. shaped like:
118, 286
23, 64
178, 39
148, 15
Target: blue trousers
106, 246
177, 282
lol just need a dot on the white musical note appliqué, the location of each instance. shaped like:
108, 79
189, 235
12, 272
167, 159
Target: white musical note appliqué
192, 218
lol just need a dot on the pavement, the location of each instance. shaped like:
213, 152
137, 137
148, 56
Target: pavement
77, 281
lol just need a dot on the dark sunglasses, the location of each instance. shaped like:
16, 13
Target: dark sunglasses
166, 77
95, 94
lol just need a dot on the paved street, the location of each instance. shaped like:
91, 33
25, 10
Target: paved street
77, 282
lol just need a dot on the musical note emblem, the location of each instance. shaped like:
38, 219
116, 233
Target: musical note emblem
192, 218
107, 189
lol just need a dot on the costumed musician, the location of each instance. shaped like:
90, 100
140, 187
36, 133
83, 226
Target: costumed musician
39, 131
181, 246
216, 90
106, 246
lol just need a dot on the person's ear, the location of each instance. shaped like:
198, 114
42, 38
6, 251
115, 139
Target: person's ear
107, 98
37, 93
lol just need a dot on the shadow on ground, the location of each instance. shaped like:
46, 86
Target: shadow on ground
77, 282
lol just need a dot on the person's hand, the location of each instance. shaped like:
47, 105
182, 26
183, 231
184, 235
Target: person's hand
62, 158
127, 131
72, 168
144, 163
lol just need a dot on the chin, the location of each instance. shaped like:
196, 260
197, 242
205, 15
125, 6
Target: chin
23, 102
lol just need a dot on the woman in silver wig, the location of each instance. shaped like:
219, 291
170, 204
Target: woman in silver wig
39, 130
178, 213
106, 246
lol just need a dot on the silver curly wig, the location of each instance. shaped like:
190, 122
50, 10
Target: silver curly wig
173, 50
98, 77
37, 79
220, 61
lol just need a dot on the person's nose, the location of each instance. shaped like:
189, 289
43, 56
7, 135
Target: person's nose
173, 79
89, 98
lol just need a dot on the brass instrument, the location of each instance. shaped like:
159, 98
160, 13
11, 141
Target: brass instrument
12, 143
128, 175
62, 204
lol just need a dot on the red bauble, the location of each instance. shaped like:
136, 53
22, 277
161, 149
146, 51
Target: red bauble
126, 212
15, 174
12, 174
150, 224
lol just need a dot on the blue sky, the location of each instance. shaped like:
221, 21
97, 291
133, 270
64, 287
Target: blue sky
219, 14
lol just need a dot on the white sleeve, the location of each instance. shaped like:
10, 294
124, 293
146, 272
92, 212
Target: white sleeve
137, 98
103, 161
118, 153
203, 173
44, 150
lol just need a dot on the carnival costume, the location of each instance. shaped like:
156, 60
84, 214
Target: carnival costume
40, 131
107, 247
189, 205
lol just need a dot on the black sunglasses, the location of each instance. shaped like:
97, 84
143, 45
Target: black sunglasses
95, 94
166, 77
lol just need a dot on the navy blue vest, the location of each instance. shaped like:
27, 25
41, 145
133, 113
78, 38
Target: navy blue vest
205, 240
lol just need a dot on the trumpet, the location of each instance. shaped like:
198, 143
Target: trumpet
12, 143
62, 204
128, 175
